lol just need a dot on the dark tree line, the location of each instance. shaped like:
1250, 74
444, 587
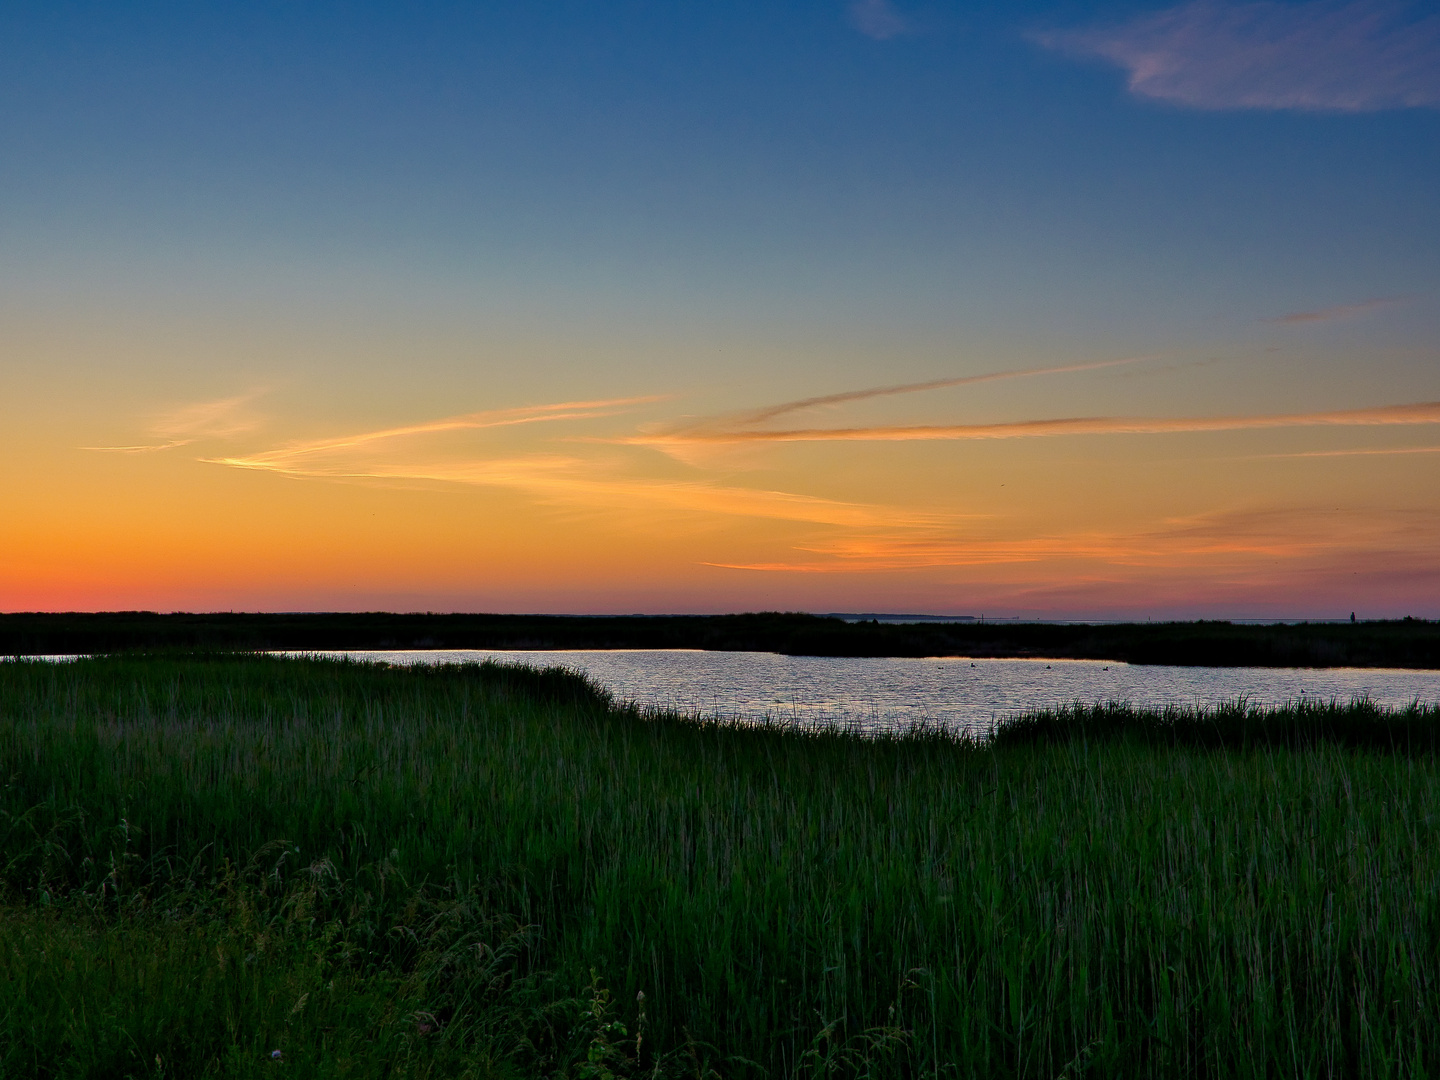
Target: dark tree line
1413, 643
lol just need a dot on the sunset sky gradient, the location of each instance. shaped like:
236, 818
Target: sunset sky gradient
1059, 310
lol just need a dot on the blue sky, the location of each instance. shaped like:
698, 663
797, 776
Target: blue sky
371, 214
709, 138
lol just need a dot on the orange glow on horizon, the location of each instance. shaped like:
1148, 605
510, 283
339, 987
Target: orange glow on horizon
533, 508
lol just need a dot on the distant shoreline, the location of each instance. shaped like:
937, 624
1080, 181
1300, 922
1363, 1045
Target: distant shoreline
1403, 643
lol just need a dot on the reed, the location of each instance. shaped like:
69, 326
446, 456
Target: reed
416, 871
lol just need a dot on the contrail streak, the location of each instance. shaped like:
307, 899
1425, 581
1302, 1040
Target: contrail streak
1422, 413
759, 416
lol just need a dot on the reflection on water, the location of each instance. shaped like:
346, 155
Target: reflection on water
882, 693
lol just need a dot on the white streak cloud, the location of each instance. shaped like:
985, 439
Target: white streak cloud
877, 19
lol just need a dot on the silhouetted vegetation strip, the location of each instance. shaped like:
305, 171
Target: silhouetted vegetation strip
478, 871
1407, 643
1360, 724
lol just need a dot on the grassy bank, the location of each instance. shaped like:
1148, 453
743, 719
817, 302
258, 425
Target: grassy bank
475, 871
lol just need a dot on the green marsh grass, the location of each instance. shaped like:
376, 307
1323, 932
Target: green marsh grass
478, 871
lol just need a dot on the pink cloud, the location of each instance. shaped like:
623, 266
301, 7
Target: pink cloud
1338, 311
1322, 55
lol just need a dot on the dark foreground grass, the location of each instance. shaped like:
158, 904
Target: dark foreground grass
479, 871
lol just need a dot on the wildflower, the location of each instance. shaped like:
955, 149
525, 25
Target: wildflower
275, 1055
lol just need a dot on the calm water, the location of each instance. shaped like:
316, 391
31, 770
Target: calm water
958, 693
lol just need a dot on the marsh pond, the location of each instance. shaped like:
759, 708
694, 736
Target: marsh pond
954, 692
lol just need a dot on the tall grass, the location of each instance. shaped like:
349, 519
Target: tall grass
422, 871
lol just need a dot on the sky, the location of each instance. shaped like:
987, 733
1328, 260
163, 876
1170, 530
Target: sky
1049, 309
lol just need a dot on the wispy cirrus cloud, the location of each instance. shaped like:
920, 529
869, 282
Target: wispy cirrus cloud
401, 454
569, 481
1386, 415
227, 418
413, 453
222, 418
1321, 55
139, 448
1374, 451
770, 412
1338, 311
285, 458
877, 19
675, 438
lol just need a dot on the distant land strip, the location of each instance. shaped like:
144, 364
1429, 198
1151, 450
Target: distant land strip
1403, 643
